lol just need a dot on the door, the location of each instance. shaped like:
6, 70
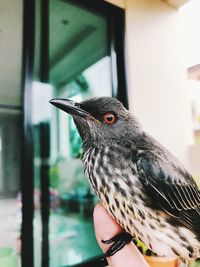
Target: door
78, 55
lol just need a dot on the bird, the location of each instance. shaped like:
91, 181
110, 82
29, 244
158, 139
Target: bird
141, 184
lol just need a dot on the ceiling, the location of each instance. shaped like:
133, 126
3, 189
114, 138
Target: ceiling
176, 3
77, 39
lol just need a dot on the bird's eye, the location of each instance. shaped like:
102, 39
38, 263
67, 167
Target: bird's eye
109, 118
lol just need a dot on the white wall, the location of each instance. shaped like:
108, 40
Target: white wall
190, 21
156, 77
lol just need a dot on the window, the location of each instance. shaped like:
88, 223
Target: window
78, 54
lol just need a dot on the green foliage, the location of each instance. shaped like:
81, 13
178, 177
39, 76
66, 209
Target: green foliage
75, 140
54, 176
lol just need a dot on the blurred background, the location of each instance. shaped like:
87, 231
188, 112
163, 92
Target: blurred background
143, 52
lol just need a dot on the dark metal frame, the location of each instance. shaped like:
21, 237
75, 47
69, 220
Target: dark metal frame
44, 134
27, 256
116, 34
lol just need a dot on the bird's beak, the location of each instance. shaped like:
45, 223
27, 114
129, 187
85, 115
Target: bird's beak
70, 107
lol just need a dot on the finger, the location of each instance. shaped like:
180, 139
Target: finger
105, 228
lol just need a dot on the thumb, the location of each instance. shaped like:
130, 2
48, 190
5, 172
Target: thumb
106, 228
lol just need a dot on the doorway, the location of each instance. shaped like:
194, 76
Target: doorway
79, 53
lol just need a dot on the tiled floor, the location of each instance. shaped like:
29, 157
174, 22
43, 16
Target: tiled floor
10, 221
10, 218
71, 239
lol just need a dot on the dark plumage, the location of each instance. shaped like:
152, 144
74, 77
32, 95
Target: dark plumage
141, 184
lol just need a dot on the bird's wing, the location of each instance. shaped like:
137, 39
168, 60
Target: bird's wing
170, 188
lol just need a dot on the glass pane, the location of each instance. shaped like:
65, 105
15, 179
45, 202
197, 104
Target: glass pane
10, 132
41, 94
79, 69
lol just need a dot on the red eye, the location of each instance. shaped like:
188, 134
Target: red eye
109, 118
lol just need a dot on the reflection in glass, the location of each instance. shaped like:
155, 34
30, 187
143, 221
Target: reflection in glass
79, 68
72, 201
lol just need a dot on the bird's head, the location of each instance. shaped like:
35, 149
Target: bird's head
101, 120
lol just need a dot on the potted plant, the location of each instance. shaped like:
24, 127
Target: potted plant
154, 261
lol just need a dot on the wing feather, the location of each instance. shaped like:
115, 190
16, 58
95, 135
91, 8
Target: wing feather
171, 188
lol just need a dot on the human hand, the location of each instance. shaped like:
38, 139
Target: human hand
106, 228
